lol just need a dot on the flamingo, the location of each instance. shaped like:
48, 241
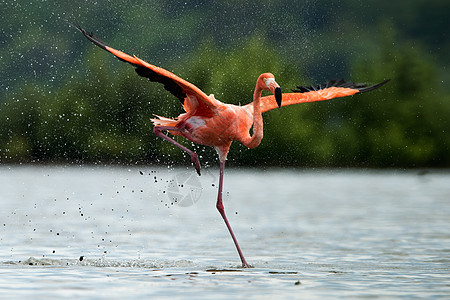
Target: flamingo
210, 122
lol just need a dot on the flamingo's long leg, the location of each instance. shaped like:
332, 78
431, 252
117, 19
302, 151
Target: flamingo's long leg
221, 210
194, 157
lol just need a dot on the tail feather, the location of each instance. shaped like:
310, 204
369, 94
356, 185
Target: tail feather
163, 121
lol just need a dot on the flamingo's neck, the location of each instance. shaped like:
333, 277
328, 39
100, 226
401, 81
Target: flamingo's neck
257, 135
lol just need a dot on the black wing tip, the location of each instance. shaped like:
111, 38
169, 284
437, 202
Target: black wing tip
365, 88
90, 36
340, 83
169, 84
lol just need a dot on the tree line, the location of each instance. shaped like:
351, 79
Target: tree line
100, 110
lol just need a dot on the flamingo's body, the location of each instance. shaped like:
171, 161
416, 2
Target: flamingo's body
208, 121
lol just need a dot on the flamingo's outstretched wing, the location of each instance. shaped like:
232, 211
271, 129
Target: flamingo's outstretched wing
326, 91
179, 87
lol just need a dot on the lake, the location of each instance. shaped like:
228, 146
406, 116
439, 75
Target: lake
154, 232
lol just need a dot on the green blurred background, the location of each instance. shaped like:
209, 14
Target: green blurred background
63, 100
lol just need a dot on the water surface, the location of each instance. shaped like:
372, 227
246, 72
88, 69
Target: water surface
99, 232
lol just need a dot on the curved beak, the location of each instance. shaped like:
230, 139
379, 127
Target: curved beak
275, 89
278, 96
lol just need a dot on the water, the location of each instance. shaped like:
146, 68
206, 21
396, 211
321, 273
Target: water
153, 232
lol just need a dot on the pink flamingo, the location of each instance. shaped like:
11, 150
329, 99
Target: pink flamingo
208, 121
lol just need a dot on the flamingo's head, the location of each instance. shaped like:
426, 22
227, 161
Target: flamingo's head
267, 82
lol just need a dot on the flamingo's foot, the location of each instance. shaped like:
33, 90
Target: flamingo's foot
246, 265
196, 162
